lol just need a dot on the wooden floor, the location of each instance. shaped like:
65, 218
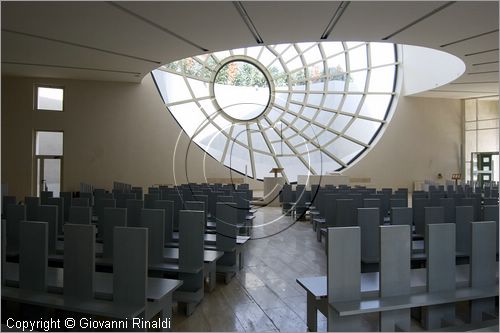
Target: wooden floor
264, 295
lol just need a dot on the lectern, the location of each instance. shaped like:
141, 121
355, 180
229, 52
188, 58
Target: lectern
276, 171
272, 187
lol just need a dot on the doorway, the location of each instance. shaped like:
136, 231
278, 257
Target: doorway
48, 161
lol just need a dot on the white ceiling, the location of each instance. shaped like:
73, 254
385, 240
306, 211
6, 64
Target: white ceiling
124, 41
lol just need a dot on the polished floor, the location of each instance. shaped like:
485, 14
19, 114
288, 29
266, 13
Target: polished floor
264, 295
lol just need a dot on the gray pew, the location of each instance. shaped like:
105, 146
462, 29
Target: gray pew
32, 205
490, 213
80, 215
464, 217
7, 200
80, 202
134, 208
79, 261
49, 214
168, 208
419, 205
100, 205
344, 213
395, 273
44, 196
33, 255
344, 275
402, 216
14, 215
483, 267
59, 202
368, 221
130, 266
67, 196
149, 200
448, 205
153, 220
191, 253
375, 203
440, 249
111, 218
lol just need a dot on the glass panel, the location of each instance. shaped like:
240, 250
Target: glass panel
340, 122
241, 90
324, 117
294, 64
487, 140
332, 101
52, 175
237, 158
258, 142
309, 112
344, 149
357, 58
379, 79
289, 54
487, 124
381, 54
357, 81
375, 106
312, 55
314, 99
50, 98
363, 130
263, 164
351, 103
174, 87
332, 48
487, 110
266, 57
199, 88
189, 117
281, 99
470, 109
49, 143
470, 143
212, 140
293, 167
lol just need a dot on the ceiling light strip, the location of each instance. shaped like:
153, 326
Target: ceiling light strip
335, 18
475, 82
71, 67
248, 21
480, 52
170, 32
81, 45
440, 8
486, 72
485, 63
469, 38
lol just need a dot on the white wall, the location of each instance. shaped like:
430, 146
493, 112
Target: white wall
426, 68
123, 132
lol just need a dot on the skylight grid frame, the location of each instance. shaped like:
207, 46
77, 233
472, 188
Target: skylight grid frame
323, 99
